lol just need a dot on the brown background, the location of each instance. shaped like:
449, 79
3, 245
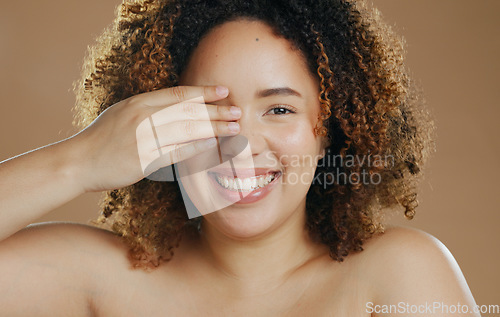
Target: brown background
453, 51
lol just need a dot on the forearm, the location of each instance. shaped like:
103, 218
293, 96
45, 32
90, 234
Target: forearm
107, 154
35, 183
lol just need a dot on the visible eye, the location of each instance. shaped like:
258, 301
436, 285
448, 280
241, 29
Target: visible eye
281, 110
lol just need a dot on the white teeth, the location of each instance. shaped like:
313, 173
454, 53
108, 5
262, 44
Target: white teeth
254, 182
246, 184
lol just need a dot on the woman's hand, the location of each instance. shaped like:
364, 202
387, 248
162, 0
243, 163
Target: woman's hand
116, 150
121, 145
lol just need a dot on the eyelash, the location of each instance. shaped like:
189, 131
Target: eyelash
289, 108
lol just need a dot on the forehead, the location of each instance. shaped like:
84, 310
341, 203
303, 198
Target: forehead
246, 50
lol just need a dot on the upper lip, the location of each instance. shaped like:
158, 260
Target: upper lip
243, 172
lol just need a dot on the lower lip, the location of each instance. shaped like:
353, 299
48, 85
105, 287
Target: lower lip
251, 197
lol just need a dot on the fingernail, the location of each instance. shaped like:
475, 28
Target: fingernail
222, 91
233, 126
235, 111
211, 142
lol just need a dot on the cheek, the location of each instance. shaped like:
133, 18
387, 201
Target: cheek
295, 143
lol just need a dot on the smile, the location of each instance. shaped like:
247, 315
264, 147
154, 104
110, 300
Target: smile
244, 190
245, 184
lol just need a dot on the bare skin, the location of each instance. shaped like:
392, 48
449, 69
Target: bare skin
254, 260
76, 270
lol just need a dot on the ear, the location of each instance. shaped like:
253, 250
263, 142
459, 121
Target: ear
325, 143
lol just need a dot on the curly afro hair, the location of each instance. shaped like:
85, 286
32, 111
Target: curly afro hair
369, 109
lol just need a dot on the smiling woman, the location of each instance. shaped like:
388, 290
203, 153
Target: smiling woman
263, 68
365, 107
307, 86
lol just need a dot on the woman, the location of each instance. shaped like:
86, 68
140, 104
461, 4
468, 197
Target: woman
330, 133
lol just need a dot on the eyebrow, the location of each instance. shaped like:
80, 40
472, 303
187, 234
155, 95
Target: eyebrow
280, 91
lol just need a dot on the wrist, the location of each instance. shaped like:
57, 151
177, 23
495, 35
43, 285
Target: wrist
71, 167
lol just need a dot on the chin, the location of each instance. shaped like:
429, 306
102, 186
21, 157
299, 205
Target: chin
243, 224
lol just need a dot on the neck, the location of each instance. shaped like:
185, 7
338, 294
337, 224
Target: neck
261, 263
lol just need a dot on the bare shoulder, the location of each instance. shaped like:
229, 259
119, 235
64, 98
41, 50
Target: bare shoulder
400, 254
411, 266
65, 239
74, 247
51, 268
406, 242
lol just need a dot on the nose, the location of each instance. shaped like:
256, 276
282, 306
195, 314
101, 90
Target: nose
248, 143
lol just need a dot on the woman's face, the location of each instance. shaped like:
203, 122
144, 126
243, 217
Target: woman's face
270, 82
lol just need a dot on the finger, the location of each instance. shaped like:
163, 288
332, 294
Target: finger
187, 131
194, 111
180, 152
178, 94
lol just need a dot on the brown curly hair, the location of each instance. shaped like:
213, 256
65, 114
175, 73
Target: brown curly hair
369, 108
